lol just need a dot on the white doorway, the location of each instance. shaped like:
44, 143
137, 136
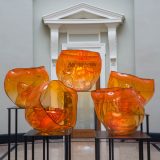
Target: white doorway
85, 107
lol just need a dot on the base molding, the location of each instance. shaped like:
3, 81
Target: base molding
155, 137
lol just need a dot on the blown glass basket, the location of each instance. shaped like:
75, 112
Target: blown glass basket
51, 107
121, 110
19, 83
78, 69
144, 86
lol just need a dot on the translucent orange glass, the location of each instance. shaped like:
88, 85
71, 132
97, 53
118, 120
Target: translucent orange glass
119, 109
19, 83
51, 107
145, 87
78, 69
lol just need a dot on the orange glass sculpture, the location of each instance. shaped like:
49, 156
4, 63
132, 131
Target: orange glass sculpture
145, 87
51, 107
119, 109
19, 83
78, 69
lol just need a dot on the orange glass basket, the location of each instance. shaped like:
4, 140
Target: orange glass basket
19, 83
144, 86
51, 107
119, 109
78, 69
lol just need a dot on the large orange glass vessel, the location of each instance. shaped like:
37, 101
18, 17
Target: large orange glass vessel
51, 107
78, 69
144, 86
19, 83
119, 109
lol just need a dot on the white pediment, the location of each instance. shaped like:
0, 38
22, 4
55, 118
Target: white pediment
83, 12
83, 15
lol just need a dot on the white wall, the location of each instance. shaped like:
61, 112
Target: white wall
147, 52
16, 42
16, 48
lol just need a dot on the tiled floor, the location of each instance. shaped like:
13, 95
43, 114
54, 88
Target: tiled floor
82, 150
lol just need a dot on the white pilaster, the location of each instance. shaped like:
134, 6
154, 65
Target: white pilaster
103, 69
54, 35
112, 39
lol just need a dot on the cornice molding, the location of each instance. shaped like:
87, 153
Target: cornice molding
82, 21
